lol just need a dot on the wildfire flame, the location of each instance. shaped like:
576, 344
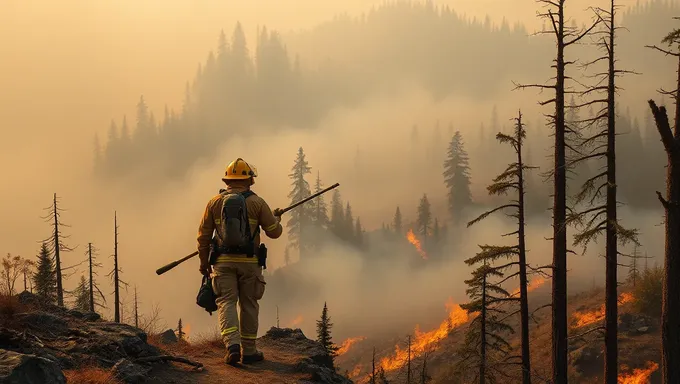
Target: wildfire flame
639, 375
344, 347
411, 237
297, 321
356, 371
592, 317
423, 341
533, 284
186, 328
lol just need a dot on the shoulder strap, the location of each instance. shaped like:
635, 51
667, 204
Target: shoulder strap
247, 194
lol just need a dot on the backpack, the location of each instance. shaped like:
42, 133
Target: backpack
233, 230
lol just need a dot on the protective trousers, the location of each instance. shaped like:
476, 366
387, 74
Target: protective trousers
242, 283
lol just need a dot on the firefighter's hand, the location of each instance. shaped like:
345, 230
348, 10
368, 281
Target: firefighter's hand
277, 212
205, 268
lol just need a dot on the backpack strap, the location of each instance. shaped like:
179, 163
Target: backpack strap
246, 195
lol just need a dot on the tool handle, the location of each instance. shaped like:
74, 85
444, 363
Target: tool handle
172, 265
309, 198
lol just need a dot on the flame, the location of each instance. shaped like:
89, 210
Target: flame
297, 321
533, 284
423, 341
186, 328
587, 318
639, 375
344, 347
411, 237
356, 371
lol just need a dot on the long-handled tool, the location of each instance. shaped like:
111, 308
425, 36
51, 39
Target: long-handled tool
175, 263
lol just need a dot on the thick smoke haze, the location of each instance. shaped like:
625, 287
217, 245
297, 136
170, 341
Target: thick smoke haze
68, 68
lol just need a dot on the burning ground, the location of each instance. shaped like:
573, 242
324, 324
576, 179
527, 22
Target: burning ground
639, 342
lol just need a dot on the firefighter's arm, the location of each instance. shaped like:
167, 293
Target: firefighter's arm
270, 223
205, 232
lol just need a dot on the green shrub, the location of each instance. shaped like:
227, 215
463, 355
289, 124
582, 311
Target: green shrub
648, 292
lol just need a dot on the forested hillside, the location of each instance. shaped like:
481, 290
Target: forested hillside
250, 87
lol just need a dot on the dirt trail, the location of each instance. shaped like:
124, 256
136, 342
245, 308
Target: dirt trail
289, 358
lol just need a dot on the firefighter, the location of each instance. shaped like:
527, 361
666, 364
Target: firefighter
237, 276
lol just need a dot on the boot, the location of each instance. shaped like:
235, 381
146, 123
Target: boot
233, 354
254, 358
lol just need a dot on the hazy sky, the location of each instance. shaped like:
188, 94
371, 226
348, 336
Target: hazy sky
83, 62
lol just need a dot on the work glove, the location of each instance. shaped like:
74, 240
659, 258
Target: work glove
205, 268
277, 212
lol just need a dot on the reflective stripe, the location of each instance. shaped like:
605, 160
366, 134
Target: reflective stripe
271, 227
229, 330
218, 221
235, 259
249, 336
253, 221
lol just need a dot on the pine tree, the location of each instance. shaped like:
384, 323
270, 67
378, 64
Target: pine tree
319, 209
485, 351
82, 296
424, 222
634, 271
180, 330
57, 244
301, 217
319, 215
511, 180
323, 334
457, 178
45, 278
337, 223
348, 232
396, 223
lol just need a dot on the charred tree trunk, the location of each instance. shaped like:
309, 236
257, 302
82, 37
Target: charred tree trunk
524, 300
611, 253
670, 316
559, 273
57, 258
89, 255
136, 310
116, 281
482, 336
373, 381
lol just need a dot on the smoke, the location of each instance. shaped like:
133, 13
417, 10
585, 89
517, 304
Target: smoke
370, 150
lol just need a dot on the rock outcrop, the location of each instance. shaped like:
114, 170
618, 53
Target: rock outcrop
40, 341
314, 360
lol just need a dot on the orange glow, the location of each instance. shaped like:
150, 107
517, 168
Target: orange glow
533, 284
425, 341
639, 375
186, 328
355, 372
592, 317
411, 237
297, 321
344, 347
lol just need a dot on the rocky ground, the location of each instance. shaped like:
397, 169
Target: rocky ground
47, 344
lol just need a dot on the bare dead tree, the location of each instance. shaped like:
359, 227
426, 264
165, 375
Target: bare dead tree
115, 273
57, 244
151, 323
92, 253
565, 37
11, 269
136, 309
27, 267
598, 193
670, 137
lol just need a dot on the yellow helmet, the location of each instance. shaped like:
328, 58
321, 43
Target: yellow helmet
239, 170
